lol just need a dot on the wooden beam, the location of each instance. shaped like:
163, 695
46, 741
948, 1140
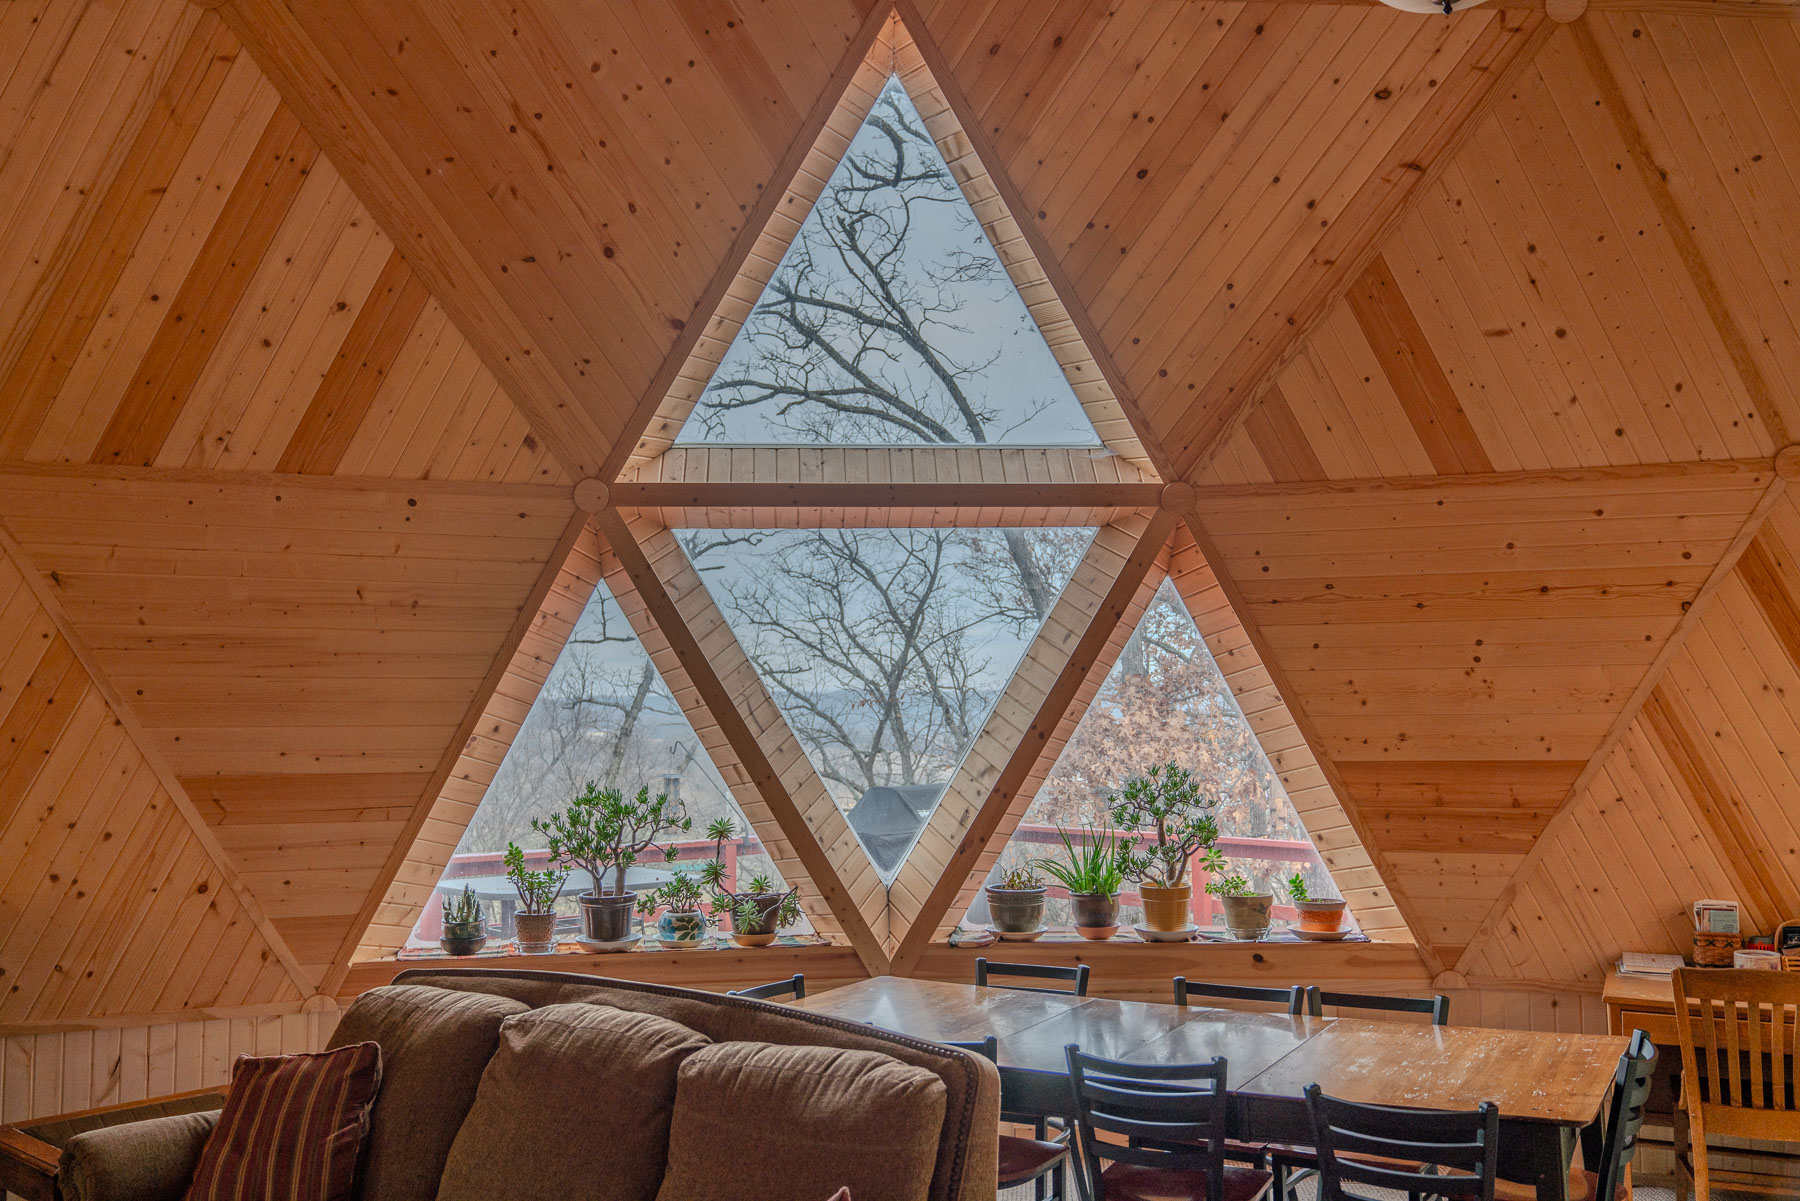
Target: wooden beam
528, 613
202, 833
1026, 751
886, 496
1675, 224
1465, 484
1352, 247
700, 322
1634, 704
328, 107
719, 702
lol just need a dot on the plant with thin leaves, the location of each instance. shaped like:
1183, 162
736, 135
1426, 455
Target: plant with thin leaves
602, 830
463, 908
752, 904
1093, 868
1166, 802
1234, 885
1023, 878
538, 890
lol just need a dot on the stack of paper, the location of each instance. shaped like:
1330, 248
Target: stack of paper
1644, 963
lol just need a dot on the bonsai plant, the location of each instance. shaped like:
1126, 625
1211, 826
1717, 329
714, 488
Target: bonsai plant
1016, 904
465, 930
1321, 915
1166, 804
1093, 876
534, 925
683, 921
1246, 910
603, 831
759, 909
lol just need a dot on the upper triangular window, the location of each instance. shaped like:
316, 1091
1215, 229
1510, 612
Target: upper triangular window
890, 320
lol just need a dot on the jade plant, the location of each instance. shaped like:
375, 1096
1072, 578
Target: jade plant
1166, 803
603, 830
538, 890
1234, 885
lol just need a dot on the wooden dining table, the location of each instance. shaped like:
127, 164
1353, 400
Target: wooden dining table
1547, 1086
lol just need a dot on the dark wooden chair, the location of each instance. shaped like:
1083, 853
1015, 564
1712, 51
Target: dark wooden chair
1605, 1175
1167, 1125
1436, 1008
1031, 1161
1419, 1152
1289, 1000
1076, 976
795, 988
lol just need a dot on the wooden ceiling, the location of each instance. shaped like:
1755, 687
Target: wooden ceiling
1444, 363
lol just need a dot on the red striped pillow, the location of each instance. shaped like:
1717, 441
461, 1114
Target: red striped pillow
292, 1128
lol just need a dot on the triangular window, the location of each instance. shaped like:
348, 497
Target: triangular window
890, 320
885, 649
603, 714
1166, 700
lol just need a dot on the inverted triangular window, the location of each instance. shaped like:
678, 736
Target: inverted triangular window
1165, 700
603, 714
885, 649
890, 320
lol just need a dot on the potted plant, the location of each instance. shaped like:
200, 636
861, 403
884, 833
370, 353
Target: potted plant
1246, 910
1016, 904
1093, 876
759, 909
1166, 804
1322, 915
534, 924
465, 930
683, 921
602, 830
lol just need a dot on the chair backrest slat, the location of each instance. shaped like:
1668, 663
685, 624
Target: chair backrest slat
1625, 1113
1076, 977
1737, 1033
794, 987
1437, 1008
1171, 1116
1289, 1000
1408, 1144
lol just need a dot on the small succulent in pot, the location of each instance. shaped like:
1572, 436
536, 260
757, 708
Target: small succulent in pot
1324, 915
534, 924
1016, 904
1246, 910
760, 908
1093, 876
683, 918
465, 929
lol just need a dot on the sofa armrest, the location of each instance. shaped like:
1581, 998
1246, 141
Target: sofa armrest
27, 1165
152, 1160
31, 1153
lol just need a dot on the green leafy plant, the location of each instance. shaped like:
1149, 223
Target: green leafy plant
1093, 869
750, 904
538, 890
1233, 885
463, 908
1023, 878
683, 894
1167, 804
1296, 886
602, 830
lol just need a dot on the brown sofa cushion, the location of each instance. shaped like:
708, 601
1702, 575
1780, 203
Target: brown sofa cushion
757, 1122
575, 1103
434, 1046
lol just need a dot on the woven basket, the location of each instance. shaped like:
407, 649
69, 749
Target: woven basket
1715, 950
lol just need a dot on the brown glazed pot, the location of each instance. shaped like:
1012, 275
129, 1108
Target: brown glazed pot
535, 933
1093, 913
1167, 908
1016, 910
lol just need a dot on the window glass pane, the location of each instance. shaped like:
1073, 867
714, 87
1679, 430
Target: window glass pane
1165, 700
604, 714
886, 648
890, 319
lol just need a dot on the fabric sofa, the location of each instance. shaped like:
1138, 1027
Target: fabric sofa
535, 1085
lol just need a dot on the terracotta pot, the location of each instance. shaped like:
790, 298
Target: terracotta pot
752, 940
606, 918
1324, 916
1248, 917
1019, 910
684, 926
463, 938
1168, 908
535, 933
1095, 911
1096, 933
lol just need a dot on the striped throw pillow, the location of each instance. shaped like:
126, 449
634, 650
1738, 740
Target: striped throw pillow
292, 1128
